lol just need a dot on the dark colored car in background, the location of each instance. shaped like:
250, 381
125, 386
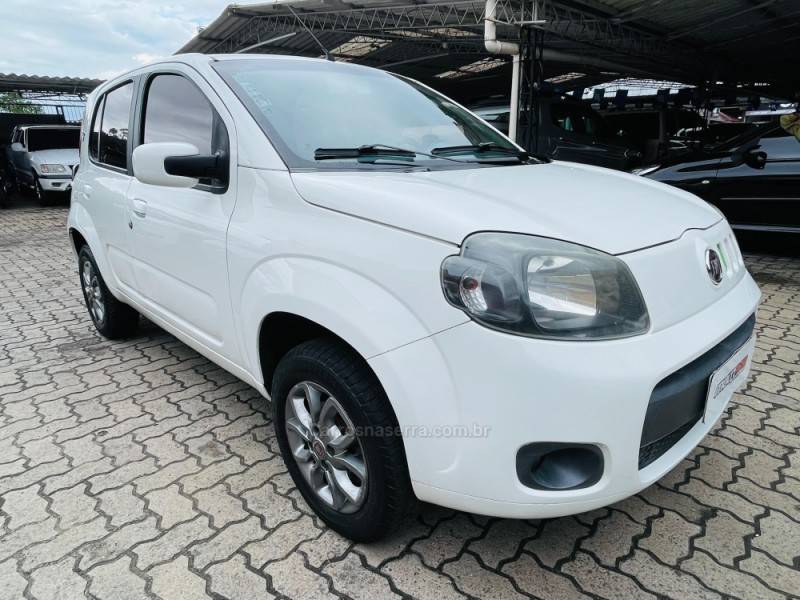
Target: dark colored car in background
754, 178
568, 130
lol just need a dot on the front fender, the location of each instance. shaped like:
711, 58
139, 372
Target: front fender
365, 314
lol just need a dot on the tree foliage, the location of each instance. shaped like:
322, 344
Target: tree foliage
14, 102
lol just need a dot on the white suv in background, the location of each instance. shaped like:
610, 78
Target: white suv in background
43, 157
434, 313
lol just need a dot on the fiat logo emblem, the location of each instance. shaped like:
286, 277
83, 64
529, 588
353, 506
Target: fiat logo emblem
713, 266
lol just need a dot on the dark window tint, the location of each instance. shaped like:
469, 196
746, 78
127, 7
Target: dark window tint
114, 129
94, 136
177, 111
53, 139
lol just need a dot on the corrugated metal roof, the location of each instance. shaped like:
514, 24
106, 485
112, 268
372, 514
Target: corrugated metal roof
685, 40
11, 82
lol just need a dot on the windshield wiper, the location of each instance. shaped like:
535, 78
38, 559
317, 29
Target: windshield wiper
376, 150
481, 148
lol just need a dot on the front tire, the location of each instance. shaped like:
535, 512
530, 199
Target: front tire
112, 318
339, 438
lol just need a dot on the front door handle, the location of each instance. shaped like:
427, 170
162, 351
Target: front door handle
140, 208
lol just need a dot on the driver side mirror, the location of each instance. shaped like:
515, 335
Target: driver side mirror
177, 164
17, 147
756, 159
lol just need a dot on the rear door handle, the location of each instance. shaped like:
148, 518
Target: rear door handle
140, 208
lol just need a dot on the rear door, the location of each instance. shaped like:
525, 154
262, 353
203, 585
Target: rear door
104, 181
765, 198
180, 234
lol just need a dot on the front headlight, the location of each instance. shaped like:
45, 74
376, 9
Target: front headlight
546, 288
53, 169
642, 171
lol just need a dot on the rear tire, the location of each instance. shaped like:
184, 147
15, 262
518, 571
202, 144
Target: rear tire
369, 475
112, 318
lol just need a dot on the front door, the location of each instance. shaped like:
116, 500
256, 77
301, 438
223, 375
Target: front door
179, 234
768, 198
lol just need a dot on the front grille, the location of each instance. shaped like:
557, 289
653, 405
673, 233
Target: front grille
678, 401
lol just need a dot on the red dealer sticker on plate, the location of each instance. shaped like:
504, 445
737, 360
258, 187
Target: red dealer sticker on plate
728, 377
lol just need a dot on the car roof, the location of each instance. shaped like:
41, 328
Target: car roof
48, 127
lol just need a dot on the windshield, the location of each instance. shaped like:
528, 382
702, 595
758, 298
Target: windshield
53, 139
305, 105
753, 133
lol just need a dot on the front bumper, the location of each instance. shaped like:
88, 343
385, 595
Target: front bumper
55, 183
469, 398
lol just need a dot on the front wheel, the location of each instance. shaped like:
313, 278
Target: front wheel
339, 438
112, 318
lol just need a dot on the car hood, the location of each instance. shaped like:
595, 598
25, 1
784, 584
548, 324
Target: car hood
57, 156
607, 210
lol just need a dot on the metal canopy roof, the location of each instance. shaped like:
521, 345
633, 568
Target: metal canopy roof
693, 41
11, 82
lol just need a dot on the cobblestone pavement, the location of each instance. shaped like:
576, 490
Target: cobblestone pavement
141, 470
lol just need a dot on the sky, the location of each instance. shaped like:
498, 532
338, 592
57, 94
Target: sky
96, 38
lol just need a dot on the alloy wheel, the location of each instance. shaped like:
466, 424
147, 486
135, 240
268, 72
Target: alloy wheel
93, 292
324, 445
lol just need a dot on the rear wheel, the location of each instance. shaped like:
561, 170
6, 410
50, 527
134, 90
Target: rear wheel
112, 318
339, 438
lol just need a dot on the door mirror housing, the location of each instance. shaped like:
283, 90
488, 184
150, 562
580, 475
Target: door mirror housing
149, 163
755, 158
17, 147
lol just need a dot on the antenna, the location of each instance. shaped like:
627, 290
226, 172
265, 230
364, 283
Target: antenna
311, 33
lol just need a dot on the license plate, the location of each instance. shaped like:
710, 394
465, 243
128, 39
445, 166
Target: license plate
727, 379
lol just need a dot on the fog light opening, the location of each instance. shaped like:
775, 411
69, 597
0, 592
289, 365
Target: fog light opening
559, 466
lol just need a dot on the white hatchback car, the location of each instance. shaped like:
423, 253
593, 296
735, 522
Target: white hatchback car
433, 313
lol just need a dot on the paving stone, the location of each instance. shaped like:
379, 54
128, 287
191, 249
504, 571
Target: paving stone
613, 538
12, 584
283, 540
292, 578
328, 546
62, 544
116, 581
118, 542
24, 506
351, 578
601, 581
540, 582
227, 541
724, 538
58, 581
502, 541
470, 578
665, 581
669, 537
447, 540
232, 579
221, 506
174, 581
74, 506
780, 538
122, 505
557, 540
779, 577
735, 582
170, 505
172, 542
